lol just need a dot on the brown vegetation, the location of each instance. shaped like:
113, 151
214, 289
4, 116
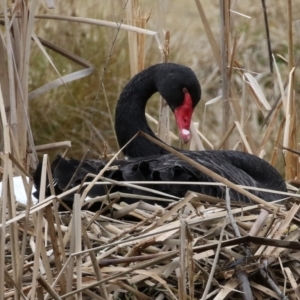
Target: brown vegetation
61, 71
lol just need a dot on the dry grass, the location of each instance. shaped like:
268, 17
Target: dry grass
66, 67
164, 253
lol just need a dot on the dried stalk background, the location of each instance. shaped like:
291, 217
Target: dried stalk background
197, 248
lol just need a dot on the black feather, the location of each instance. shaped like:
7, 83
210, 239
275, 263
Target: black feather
149, 162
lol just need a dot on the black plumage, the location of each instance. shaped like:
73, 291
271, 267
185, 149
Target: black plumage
149, 162
169, 80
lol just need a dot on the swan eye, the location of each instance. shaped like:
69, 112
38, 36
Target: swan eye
185, 90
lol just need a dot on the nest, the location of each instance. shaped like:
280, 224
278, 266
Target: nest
197, 248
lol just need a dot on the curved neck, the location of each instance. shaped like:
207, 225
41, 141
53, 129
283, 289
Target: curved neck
130, 115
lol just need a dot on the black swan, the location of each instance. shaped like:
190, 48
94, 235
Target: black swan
148, 162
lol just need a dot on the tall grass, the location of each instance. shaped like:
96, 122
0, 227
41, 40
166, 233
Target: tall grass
73, 106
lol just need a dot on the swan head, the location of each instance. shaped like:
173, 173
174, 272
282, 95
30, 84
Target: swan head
179, 86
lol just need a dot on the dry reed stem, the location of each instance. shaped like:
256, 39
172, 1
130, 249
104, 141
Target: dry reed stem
8, 199
105, 24
265, 290
238, 112
208, 284
258, 94
243, 137
196, 143
164, 111
77, 241
209, 33
225, 46
279, 137
131, 10
62, 80
244, 284
182, 258
288, 137
97, 270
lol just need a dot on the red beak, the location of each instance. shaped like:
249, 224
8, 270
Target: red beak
183, 116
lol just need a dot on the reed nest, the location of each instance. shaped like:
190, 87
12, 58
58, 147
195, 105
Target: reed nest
197, 248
